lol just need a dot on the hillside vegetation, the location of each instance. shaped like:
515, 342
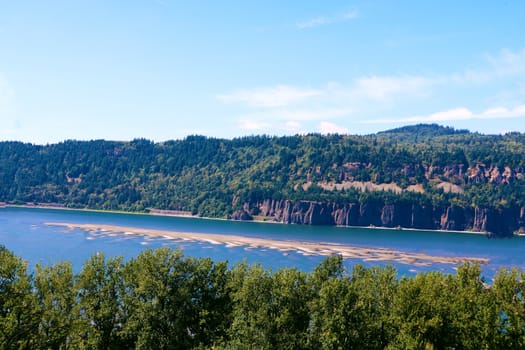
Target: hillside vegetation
437, 176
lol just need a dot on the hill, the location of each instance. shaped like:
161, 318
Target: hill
422, 176
428, 130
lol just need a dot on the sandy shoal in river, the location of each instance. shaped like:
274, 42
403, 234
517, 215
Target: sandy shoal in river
306, 248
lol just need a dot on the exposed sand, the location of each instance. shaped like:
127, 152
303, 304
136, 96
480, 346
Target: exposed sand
305, 248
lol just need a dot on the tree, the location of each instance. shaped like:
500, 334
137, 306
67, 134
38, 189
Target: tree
19, 315
55, 294
353, 312
289, 309
99, 288
251, 292
474, 310
509, 291
421, 313
173, 302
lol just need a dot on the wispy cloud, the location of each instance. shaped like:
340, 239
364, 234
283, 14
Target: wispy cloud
290, 108
504, 64
251, 125
293, 126
324, 20
271, 108
287, 121
275, 127
277, 96
385, 87
456, 114
312, 114
327, 101
331, 128
508, 62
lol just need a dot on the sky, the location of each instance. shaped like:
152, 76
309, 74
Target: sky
166, 69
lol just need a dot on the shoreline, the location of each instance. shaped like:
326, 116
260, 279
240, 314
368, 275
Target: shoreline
159, 212
367, 254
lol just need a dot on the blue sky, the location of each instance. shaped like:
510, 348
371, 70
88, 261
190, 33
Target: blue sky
162, 69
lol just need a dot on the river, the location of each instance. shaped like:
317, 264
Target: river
26, 232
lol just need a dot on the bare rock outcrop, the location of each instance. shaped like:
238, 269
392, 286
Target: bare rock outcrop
501, 222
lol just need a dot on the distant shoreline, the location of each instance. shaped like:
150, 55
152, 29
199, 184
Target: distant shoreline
366, 254
184, 214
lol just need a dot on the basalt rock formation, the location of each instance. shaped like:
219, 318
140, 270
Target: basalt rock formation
495, 222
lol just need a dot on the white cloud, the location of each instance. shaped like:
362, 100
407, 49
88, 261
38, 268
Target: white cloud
350, 14
279, 107
286, 120
272, 106
505, 64
314, 22
275, 127
308, 114
449, 115
502, 112
252, 125
329, 101
331, 128
292, 126
280, 95
457, 114
385, 87
508, 62
373, 88
324, 20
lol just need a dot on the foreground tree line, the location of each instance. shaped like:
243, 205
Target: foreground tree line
163, 300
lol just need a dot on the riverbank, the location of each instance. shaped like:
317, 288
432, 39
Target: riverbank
186, 214
302, 247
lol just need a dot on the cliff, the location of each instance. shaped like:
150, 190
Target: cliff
496, 222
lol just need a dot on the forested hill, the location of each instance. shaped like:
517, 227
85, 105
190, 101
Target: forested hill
422, 176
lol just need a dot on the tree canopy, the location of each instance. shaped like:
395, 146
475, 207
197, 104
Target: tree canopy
164, 300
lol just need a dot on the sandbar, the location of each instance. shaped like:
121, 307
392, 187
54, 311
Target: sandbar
302, 247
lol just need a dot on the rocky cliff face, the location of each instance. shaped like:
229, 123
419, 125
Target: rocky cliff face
458, 173
496, 222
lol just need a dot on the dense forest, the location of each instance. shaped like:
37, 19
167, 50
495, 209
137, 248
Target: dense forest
163, 300
422, 176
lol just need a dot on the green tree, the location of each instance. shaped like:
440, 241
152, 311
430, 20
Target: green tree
474, 310
19, 314
99, 288
174, 303
251, 292
334, 322
55, 294
353, 312
375, 288
421, 313
509, 293
289, 309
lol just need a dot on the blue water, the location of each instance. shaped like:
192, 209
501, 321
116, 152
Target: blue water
22, 230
